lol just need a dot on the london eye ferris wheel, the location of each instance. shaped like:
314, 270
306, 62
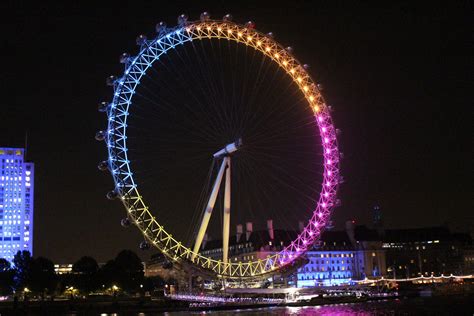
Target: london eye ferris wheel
214, 123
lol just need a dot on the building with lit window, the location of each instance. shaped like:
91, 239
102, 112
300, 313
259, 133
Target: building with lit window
16, 202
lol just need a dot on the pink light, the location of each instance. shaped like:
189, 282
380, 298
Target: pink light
328, 151
326, 140
320, 214
328, 183
320, 118
326, 194
311, 233
329, 161
329, 172
324, 129
316, 223
324, 205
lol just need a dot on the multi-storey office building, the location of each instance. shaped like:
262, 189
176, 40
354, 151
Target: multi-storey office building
16, 202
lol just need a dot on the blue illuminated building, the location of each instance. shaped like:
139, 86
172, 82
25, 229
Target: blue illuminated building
16, 202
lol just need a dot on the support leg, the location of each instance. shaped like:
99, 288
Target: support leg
226, 224
209, 208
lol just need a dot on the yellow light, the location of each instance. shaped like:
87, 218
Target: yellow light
299, 79
292, 70
277, 55
311, 98
285, 63
240, 33
198, 28
229, 31
267, 49
305, 88
316, 108
208, 28
219, 28
249, 38
259, 43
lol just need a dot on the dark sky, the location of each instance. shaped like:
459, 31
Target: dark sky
399, 77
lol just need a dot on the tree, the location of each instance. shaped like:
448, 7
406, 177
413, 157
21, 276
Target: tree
42, 276
6, 277
131, 272
22, 262
85, 274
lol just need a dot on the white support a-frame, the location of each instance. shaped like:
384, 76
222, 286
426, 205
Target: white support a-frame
224, 168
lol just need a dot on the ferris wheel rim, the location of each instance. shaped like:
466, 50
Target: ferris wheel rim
119, 164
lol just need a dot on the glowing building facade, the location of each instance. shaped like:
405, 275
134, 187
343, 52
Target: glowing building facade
16, 203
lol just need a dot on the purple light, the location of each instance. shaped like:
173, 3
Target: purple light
326, 194
329, 161
324, 129
326, 140
320, 118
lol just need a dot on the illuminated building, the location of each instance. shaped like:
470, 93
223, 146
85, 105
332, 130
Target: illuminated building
16, 203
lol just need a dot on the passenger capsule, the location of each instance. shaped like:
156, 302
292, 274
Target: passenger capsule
270, 34
103, 165
112, 195
182, 19
338, 203
289, 49
103, 106
100, 136
320, 87
338, 131
341, 179
125, 222
144, 245
141, 39
341, 155
124, 58
227, 17
167, 265
250, 25
110, 81
205, 16
306, 66
160, 27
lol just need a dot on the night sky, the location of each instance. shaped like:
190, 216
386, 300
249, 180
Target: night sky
399, 77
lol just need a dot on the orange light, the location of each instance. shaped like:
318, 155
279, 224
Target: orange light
285, 63
198, 28
311, 98
305, 88
229, 31
292, 70
299, 79
316, 108
208, 28
259, 43
240, 34
219, 28
267, 49
249, 38
277, 55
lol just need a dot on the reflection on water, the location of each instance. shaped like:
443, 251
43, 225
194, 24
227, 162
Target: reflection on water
453, 305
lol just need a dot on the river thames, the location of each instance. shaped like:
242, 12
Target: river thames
446, 305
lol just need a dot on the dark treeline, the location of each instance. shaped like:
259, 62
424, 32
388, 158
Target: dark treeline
124, 274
